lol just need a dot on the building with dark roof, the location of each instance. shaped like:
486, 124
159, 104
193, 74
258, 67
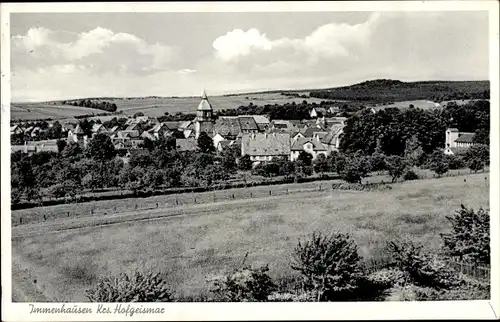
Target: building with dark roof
266, 146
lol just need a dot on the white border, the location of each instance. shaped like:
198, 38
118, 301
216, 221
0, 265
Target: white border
267, 311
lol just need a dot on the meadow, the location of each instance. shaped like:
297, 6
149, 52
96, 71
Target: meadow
35, 111
158, 106
196, 244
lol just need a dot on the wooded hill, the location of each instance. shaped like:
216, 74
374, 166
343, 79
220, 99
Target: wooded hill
386, 90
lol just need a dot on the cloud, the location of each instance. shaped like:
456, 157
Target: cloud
329, 41
186, 71
102, 48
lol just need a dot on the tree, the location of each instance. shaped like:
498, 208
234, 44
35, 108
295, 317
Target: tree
140, 287
469, 238
413, 153
229, 156
245, 284
355, 168
61, 144
438, 163
336, 161
329, 265
378, 160
320, 164
245, 163
72, 150
205, 143
101, 148
305, 158
477, 157
396, 166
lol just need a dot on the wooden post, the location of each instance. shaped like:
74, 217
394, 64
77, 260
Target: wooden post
156, 205
68, 213
319, 187
251, 195
20, 220
269, 192
194, 199
176, 202
287, 190
233, 195
135, 206
44, 217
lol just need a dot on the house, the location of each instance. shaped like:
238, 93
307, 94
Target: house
332, 140
160, 129
114, 129
333, 109
77, 135
31, 147
297, 135
262, 122
98, 129
312, 146
222, 145
217, 138
456, 141
231, 126
133, 130
266, 146
311, 131
16, 130
35, 131
183, 145
282, 126
317, 112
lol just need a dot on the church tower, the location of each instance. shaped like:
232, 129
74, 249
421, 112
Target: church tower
204, 117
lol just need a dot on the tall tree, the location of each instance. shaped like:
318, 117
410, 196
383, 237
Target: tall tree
205, 143
101, 148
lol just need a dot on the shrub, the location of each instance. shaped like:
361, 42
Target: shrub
329, 265
469, 238
243, 285
438, 163
396, 166
388, 277
410, 175
355, 169
140, 287
421, 268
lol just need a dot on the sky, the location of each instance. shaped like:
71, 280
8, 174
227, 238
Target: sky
76, 55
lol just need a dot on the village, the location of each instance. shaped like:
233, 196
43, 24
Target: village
254, 135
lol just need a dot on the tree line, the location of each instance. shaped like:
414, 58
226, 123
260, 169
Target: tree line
100, 105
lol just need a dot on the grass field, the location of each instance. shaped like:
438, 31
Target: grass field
158, 106
33, 111
149, 106
199, 243
423, 104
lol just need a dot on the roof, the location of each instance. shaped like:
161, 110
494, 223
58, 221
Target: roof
299, 144
137, 152
185, 124
260, 119
465, 138
114, 128
172, 125
266, 144
459, 150
78, 130
224, 143
247, 123
228, 126
185, 144
148, 135
320, 109
97, 127
204, 104
453, 129
309, 132
132, 127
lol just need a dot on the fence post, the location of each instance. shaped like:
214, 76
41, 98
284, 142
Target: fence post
214, 197
194, 199
269, 192
91, 211
319, 187
68, 213
251, 194
44, 217
176, 201
287, 190
233, 195
20, 220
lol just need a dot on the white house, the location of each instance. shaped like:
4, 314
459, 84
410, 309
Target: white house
456, 140
312, 146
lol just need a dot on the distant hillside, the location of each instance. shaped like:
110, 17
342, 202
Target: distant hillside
387, 90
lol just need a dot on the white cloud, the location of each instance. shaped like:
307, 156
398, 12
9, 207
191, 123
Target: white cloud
99, 46
328, 41
186, 71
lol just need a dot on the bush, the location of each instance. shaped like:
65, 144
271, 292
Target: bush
243, 285
410, 175
421, 268
388, 277
329, 265
140, 287
469, 238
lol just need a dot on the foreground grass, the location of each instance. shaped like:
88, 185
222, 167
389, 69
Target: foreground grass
191, 248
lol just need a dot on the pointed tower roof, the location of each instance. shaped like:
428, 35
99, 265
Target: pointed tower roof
204, 104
